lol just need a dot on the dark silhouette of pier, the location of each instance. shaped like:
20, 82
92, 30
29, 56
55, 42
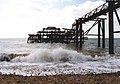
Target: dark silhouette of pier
109, 7
77, 34
52, 35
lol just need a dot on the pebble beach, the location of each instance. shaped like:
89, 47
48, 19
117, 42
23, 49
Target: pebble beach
105, 78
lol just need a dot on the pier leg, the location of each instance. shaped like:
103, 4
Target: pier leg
103, 33
83, 37
67, 38
81, 31
99, 25
77, 26
111, 34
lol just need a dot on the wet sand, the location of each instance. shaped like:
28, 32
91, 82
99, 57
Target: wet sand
106, 78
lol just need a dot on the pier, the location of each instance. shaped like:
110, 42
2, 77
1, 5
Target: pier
52, 35
77, 34
109, 7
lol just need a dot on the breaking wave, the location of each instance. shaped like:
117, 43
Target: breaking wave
9, 57
53, 55
56, 55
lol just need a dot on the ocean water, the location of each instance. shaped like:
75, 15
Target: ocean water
41, 59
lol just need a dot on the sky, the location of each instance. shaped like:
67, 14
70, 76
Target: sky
18, 18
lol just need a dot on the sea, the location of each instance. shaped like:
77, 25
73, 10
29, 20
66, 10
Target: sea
41, 59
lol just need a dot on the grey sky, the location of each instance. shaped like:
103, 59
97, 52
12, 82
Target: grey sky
18, 18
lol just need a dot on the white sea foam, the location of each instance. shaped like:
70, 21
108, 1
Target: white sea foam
60, 61
51, 59
53, 55
101, 65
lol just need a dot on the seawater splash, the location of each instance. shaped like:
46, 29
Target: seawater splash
76, 65
9, 57
53, 55
53, 59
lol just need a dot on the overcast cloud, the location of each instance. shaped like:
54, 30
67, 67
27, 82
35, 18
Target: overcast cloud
18, 18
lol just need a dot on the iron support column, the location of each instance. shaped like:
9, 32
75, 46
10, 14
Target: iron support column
81, 33
83, 36
111, 34
99, 25
103, 33
77, 26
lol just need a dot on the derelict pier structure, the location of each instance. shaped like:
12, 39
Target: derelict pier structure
76, 33
52, 35
109, 7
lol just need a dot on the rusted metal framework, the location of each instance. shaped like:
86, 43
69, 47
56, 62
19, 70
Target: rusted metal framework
52, 35
109, 7
76, 34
